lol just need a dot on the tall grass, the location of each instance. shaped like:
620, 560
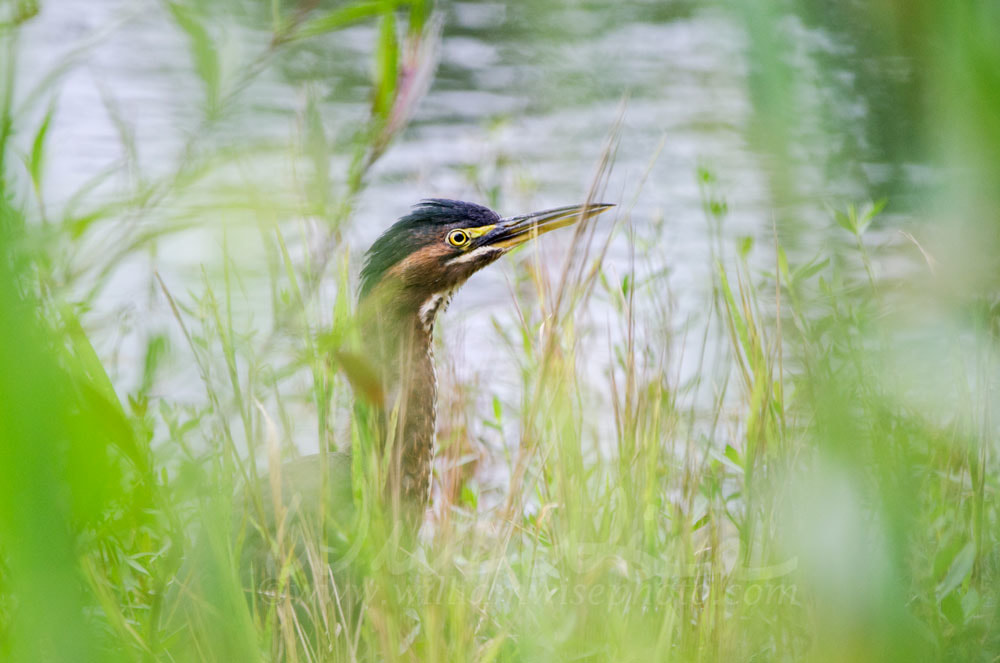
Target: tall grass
821, 486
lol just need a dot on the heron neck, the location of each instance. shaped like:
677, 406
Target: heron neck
403, 346
416, 401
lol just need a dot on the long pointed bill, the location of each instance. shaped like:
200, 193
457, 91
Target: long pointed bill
517, 230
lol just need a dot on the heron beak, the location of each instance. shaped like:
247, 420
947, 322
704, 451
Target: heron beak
517, 230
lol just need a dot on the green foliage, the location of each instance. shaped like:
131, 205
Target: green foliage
799, 495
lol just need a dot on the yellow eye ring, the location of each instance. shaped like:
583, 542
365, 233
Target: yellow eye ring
458, 238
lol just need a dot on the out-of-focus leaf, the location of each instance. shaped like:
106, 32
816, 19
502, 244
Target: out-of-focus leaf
845, 221
783, 264
490, 650
739, 323
36, 161
809, 269
469, 497
85, 357
156, 349
970, 604
338, 18
959, 570
362, 376
871, 211
203, 51
734, 456
952, 609
387, 65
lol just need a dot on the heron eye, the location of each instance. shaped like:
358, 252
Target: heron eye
458, 238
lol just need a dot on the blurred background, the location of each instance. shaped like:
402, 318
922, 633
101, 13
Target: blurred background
791, 327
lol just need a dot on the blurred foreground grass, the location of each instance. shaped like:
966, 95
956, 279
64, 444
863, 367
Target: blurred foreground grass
824, 489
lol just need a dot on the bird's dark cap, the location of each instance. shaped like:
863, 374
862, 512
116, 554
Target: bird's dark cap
443, 211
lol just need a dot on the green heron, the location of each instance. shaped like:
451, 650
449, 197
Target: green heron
409, 277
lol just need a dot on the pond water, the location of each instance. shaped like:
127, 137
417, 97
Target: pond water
522, 103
